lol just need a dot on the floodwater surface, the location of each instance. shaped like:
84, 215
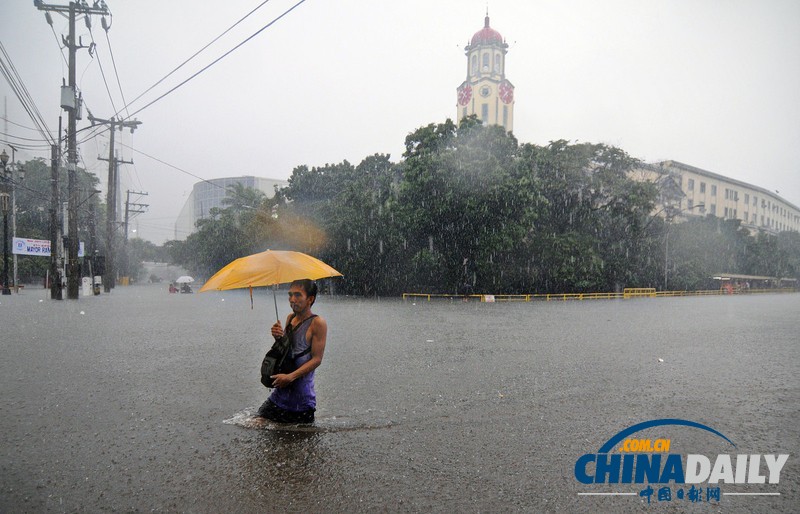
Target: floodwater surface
135, 401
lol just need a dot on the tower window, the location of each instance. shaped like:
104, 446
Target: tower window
505, 117
474, 64
498, 63
485, 113
486, 61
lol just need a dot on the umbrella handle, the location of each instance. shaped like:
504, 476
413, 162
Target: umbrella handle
274, 297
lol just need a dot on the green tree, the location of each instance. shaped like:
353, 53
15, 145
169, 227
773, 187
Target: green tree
33, 211
591, 234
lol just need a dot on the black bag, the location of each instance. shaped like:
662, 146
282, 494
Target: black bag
278, 359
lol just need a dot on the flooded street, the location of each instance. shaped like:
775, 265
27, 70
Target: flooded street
117, 402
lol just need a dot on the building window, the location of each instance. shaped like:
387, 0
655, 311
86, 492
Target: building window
755, 218
486, 61
485, 113
727, 193
713, 209
725, 213
474, 64
713, 190
691, 184
746, 199
689, 204
702, 207
702, 187
734, 214
755, 201
497, 63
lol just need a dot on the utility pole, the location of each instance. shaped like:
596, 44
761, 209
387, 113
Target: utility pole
111, 195
131, 209
138, 208
71, 102
55, 234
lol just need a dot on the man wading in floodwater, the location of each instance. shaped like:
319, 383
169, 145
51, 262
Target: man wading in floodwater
293, 400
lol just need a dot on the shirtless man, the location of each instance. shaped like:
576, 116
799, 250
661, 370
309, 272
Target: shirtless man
294, 400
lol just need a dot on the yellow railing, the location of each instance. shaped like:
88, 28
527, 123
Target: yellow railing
563, 297
634, 292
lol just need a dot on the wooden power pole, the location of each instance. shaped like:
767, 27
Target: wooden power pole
71, 102
109, 276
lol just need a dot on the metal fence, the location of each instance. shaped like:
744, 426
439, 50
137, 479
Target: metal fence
627, 293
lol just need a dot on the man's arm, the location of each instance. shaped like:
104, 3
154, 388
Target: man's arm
277, 329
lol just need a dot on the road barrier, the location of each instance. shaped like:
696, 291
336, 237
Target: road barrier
628, 293
633, 292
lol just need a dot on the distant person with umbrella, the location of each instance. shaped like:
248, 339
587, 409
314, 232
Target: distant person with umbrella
294, 399
184, 281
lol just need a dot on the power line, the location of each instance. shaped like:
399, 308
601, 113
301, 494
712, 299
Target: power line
116, 73
9, 71
26, 146
181, 65
215, 61
102, 72
38, 140
173, 166
60, 48
209, 182
18, 124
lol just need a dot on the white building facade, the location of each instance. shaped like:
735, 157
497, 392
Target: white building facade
209, 194
703, 192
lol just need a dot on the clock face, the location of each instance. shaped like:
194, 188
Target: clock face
506, 92
486, 91
464, 94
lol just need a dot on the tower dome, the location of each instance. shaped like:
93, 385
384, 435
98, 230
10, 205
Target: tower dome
486, 92
487, 35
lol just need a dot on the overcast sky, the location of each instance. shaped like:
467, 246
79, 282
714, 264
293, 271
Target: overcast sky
714, 84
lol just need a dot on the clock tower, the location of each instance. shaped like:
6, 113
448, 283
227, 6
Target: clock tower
486, 92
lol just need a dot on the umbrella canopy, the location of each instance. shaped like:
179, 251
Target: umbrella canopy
268, 268
185, 279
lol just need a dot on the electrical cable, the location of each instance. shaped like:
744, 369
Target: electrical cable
215, 61
116, 73
9, 71
172, 166
26, 146
211, 183
193, 56
39, 140
103, 73
61, 48
18, 124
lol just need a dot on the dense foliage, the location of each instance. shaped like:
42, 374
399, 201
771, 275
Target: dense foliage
34, 207
468, 208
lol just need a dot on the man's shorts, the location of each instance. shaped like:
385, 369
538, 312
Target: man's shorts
272, 412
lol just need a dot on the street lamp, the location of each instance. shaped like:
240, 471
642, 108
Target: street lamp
5, 201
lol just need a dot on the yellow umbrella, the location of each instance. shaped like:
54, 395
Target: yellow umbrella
268, 268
